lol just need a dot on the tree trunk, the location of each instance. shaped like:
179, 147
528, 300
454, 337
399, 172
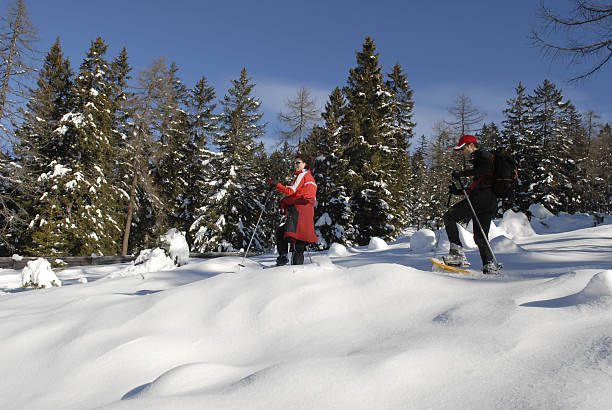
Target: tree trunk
128, 222
9, 61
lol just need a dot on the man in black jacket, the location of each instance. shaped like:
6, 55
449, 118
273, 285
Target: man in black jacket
483, 200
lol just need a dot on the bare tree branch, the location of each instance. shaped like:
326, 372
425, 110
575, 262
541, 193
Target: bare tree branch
588, 40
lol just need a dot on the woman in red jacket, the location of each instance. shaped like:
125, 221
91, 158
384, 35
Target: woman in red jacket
298, 205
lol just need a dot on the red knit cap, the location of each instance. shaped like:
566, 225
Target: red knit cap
466, 139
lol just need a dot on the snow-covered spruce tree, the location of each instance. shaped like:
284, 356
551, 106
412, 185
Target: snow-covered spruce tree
602, 156
333, 216
550, 148
420, 187
402, 105
573, 194
517, 137
368, 129
122, 121
278, 166
586, 160
80, 200
36, 145
203, 125
13, 215
489, 136
172, 167
227, 219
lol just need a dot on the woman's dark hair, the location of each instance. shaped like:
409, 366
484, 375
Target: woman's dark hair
305, 158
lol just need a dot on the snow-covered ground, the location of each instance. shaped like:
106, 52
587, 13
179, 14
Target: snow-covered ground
358, 328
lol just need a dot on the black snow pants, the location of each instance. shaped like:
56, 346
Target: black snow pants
485, 205
282, 246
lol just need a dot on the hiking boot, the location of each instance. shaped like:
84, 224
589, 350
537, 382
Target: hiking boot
491, 269
282, 260
456, 257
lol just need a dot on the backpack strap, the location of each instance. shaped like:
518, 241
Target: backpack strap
481, 178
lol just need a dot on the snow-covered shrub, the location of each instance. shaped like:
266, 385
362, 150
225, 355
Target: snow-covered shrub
504, 244
337, 250
38, 274
516, 224
148, 260
423, 240
176, 246
377, 244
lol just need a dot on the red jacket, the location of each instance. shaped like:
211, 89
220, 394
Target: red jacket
298, 205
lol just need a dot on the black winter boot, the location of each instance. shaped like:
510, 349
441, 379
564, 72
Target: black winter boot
298, 258
282, 260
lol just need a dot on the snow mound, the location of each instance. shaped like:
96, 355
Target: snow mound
516, 224
377, 244
423, 240
597, 291
193, 378
175, 244
503, 244
540, 212
545, 222
38, 273
226, 264
599, 286
324, 262
337, 250
149, 260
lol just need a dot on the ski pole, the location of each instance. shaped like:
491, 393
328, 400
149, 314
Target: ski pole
263, 208
478, 222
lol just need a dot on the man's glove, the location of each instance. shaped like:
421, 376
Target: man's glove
456, 174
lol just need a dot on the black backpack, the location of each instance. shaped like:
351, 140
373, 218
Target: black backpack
505, 171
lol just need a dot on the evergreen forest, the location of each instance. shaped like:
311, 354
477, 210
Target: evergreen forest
97, 159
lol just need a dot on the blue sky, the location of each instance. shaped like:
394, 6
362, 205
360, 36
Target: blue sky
479, 48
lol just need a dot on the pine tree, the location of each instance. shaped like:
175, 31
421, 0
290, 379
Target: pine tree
550, 148
333, 216
602, 156
13, 215
517, 137
402, 108
489, 137
420, 187
339, 227
203, 125
277, 166
37, 145
78, 213
574, 192
227, 220
172, 167
367, 137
